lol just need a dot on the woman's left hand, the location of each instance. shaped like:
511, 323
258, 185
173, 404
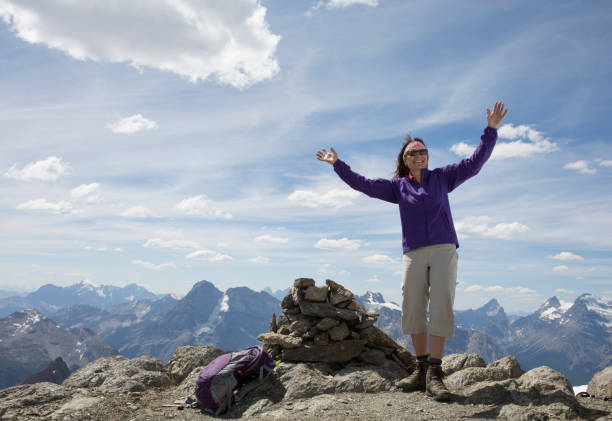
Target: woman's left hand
495, 118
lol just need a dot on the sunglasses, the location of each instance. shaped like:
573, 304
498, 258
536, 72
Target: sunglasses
416, 152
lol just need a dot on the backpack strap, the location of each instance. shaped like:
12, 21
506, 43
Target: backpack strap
254, 383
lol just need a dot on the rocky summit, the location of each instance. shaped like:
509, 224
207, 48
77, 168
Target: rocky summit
350, 372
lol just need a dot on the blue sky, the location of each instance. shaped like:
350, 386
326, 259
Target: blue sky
171, 143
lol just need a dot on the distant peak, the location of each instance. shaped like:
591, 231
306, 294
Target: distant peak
371, 297
551, 302
491, 305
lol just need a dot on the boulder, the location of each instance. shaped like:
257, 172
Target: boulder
327, 310
286, 341
314, 293
508, 365
373, 356
455, 362
545, 380
303, 283
339, 332
31, 394
186, 358
601, 383
114, 374
354, 305
288, 301
327, 323
378, 338
339, 352
337, 293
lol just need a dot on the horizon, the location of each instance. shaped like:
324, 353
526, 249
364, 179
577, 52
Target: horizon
180, 144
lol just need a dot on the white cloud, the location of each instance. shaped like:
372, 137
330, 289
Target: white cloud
84, 190
48, 169
228, 41
564, 291
378, 259
118, 249
336, 4
606, 163
266, 238
560, 268
581, 166
479, 225
530, 142
261, 260
473, 288
138, 212
374, 279
132, 124
341, 244
210, 255
153, 266
171, 244
41, 204
334, 198
200, 206
567, 255
498, 289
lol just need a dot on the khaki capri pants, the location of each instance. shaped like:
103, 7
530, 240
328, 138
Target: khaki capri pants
429, 277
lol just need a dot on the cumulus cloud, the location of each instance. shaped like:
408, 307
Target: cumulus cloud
210, 255
41, 204
138, 212
86, 192
266, 238
605, 163
480, 225
378, 259
132, 124
341, 244
528, 142
201, 206
335, 198
48, 169
260, 260
567, 255
581, 166
171, 244
560, 268
227, 41
149, 265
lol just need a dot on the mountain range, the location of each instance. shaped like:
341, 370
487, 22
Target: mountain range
574, 338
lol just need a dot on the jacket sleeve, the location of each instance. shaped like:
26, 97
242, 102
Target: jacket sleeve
379, 188
457, 173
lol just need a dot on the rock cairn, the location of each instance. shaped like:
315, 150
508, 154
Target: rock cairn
326, 324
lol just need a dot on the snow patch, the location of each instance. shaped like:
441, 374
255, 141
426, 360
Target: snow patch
224, 304
578, 389
221, 307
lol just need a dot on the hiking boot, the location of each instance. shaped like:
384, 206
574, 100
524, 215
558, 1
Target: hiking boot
435, 386
416, 380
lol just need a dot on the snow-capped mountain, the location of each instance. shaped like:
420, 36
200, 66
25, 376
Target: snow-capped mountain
29, 341
490, 319
50, 298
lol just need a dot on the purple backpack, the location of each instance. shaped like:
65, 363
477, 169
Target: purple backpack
230, 376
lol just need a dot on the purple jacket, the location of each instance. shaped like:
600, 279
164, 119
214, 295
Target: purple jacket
424, 208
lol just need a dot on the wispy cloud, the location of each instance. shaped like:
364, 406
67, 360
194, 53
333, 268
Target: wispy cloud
564, 291
260, 260
201, 206
530, 142
171, 244
480, 225
86, 192
581, 166
48, 169
339, 4
515, 291
341, 244
210, 255
605, 163
152, 266
560, 268
132, 124
374, 279
43, 205
567, 255
333, 198
378, 259
228, 41
268, 239
138, 212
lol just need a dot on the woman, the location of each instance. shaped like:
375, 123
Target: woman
429, 243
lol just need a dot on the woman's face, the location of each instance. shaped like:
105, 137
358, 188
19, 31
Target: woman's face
416, 158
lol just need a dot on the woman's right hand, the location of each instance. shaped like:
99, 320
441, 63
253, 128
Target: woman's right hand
325, 156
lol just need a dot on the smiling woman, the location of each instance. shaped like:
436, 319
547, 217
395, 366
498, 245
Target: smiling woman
429, 242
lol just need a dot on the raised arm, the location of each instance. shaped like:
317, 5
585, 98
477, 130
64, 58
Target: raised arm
379, 188
455, 174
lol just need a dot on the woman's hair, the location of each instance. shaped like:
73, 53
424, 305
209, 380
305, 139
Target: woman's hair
402, 169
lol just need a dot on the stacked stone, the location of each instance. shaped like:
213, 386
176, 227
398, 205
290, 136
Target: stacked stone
326, 324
